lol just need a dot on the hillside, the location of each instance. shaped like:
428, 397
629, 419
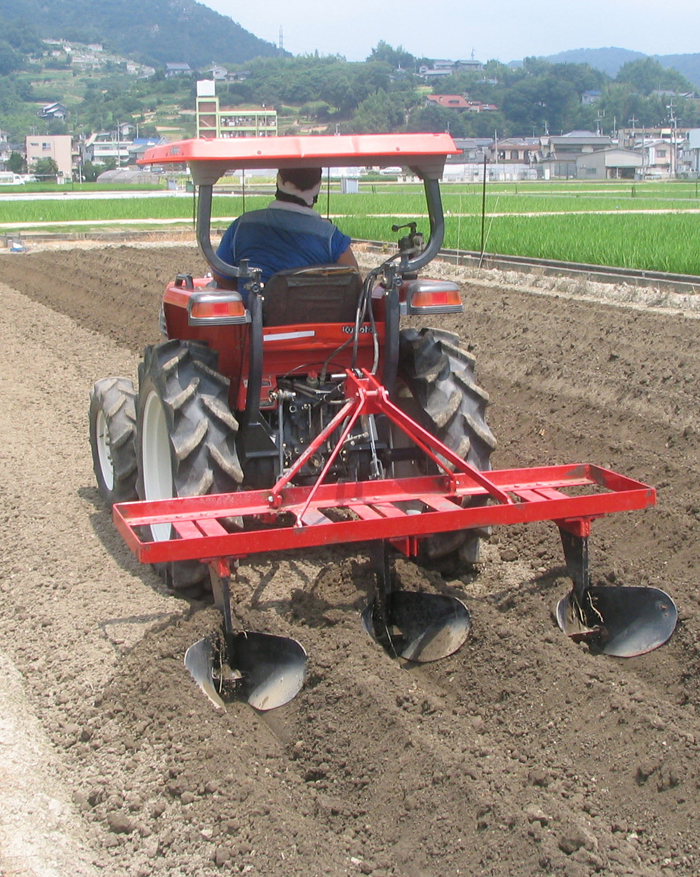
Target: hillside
153, 31
611, 59
688, 65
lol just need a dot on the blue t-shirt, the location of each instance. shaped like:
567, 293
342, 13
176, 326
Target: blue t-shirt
280, 237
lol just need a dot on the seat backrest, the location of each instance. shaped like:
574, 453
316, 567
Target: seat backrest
322, 294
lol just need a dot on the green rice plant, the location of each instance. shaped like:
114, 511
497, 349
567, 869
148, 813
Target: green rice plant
596, 223
648, 242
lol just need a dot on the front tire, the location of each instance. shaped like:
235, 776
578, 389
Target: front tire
113, 439
436, 386
186, 437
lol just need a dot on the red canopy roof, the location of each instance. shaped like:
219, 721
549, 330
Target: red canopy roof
210, 159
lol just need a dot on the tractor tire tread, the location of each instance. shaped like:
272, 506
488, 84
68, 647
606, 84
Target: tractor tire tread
439, 374
115, 399
201, 430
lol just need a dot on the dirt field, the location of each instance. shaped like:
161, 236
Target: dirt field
522, 754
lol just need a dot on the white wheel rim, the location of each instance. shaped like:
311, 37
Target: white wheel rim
156, 464
104, 452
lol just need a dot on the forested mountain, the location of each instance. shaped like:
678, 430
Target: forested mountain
688, 65
152, 31
610, 61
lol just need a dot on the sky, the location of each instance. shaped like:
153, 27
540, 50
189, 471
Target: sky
505, 30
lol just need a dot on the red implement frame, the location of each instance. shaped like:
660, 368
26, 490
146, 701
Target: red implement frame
286, 517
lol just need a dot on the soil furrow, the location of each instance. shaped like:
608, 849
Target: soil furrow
521, 754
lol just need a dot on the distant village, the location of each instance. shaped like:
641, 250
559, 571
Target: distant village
631, 152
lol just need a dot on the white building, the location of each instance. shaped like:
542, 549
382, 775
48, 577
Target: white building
55, 146
609, 164
105, 147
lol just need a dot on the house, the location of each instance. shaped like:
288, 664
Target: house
658, 156
574, 143
559, 152
103, 147
449, 101
177, 68
518, 150
693, 150
86, 60
443, 68
471, 149
475, 106
53, 111
140, 145
590, 97
471, 64
459, 102
608, 164
467, 166
218, 72
434, 73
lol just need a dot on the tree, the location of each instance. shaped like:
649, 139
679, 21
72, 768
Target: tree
378, 114
45, 167
90, 171
395, 58
22, 36
57, 126
9, 59
434, 119
539, 99
647, 75
16, 163
337, 89
582, 76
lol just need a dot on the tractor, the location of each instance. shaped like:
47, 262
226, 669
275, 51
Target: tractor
299, 413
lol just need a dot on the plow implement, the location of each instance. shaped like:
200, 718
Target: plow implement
393, 513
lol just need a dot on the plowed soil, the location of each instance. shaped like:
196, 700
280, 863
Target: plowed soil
522, 754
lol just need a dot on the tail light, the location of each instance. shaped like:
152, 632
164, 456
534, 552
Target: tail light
216, 309
431, 297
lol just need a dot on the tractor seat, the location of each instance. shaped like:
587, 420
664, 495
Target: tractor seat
322, 294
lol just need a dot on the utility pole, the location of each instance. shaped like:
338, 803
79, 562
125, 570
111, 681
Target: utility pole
674, 132
599, 123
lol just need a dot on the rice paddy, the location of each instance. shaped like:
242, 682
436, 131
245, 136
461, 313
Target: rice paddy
647, 226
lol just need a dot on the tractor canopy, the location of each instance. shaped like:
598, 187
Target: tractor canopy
209, 160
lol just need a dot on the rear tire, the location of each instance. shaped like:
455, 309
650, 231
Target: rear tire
186, 437
113, 439
436, 387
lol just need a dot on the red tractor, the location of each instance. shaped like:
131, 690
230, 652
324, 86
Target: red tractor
301, 414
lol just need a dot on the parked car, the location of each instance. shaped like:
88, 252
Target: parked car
7, 178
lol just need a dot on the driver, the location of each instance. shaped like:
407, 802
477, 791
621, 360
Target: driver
288, 233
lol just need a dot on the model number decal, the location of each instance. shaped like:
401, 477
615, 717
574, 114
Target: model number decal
364, 330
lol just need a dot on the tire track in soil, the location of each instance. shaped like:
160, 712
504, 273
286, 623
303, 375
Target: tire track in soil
522, 754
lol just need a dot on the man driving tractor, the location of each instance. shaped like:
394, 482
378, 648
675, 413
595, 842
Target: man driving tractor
288, 233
